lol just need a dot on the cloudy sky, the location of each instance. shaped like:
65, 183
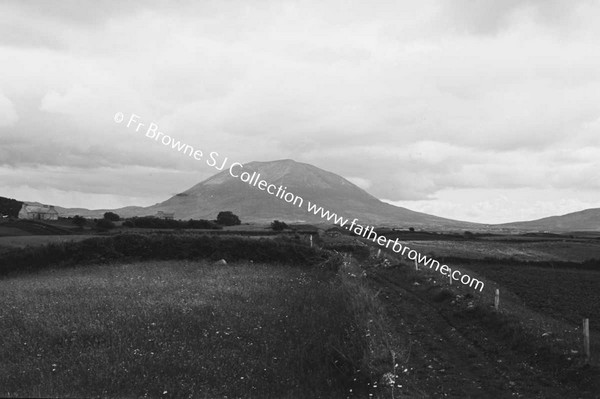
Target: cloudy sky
485, 110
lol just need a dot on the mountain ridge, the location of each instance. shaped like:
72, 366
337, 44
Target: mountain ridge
584, 220
223, 192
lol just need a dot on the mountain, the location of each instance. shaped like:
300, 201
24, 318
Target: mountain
586, 220
225, 192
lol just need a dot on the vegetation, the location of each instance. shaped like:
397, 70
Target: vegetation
158, 246
151, 222
276, 225
10, 207
186, 327
227, 218
79, 221
113, 217
181, 329
361, 252
104, 224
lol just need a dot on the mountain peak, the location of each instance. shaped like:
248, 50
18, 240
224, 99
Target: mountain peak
223, 192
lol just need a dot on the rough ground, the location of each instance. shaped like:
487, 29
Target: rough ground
452, 355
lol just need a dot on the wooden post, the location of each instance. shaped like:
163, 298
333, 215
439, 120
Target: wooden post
497, 299
586, 339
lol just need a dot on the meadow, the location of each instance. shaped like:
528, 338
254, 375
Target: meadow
520, 248
193, 328
174, 329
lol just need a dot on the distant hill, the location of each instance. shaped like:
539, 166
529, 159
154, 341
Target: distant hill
99, 213
9, 207
586, 220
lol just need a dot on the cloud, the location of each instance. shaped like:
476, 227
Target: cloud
489, 17
8, 114
409, 100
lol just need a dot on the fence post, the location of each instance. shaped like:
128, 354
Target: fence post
416, 265
497, 299
450, 278
311, 244
378, 253
586, 339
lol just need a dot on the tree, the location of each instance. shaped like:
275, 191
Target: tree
411, 229
278, 226
79, 221
10, 207
113, 217
227, 218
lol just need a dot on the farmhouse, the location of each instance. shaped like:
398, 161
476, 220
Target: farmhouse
38, 212
165, 215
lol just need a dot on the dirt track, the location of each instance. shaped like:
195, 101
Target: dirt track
454, 356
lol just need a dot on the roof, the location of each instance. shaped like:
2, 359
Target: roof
39, 208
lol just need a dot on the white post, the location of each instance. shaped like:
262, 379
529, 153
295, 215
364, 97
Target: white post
450, 278
586, 339
497, 299
416, 265
311, 244
378, 253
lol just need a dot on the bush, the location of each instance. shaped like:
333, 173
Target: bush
113, 217
161, 247
79, 221
361, 252
227, 218
105, 224
150, 222
278, 226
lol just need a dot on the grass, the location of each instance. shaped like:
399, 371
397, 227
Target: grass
567, 294
565, 250
548, 354
187, 329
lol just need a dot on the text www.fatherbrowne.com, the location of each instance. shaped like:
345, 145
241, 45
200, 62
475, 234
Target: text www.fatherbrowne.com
253, 179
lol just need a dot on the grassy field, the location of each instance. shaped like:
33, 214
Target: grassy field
576, 250
568, 294
182, 329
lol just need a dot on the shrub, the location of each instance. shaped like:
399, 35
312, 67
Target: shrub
278, 226
359, 251
227, 218
113, 217
162, 247
79, 221
151, 222
104, 224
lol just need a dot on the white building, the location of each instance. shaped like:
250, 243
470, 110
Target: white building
38, 212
